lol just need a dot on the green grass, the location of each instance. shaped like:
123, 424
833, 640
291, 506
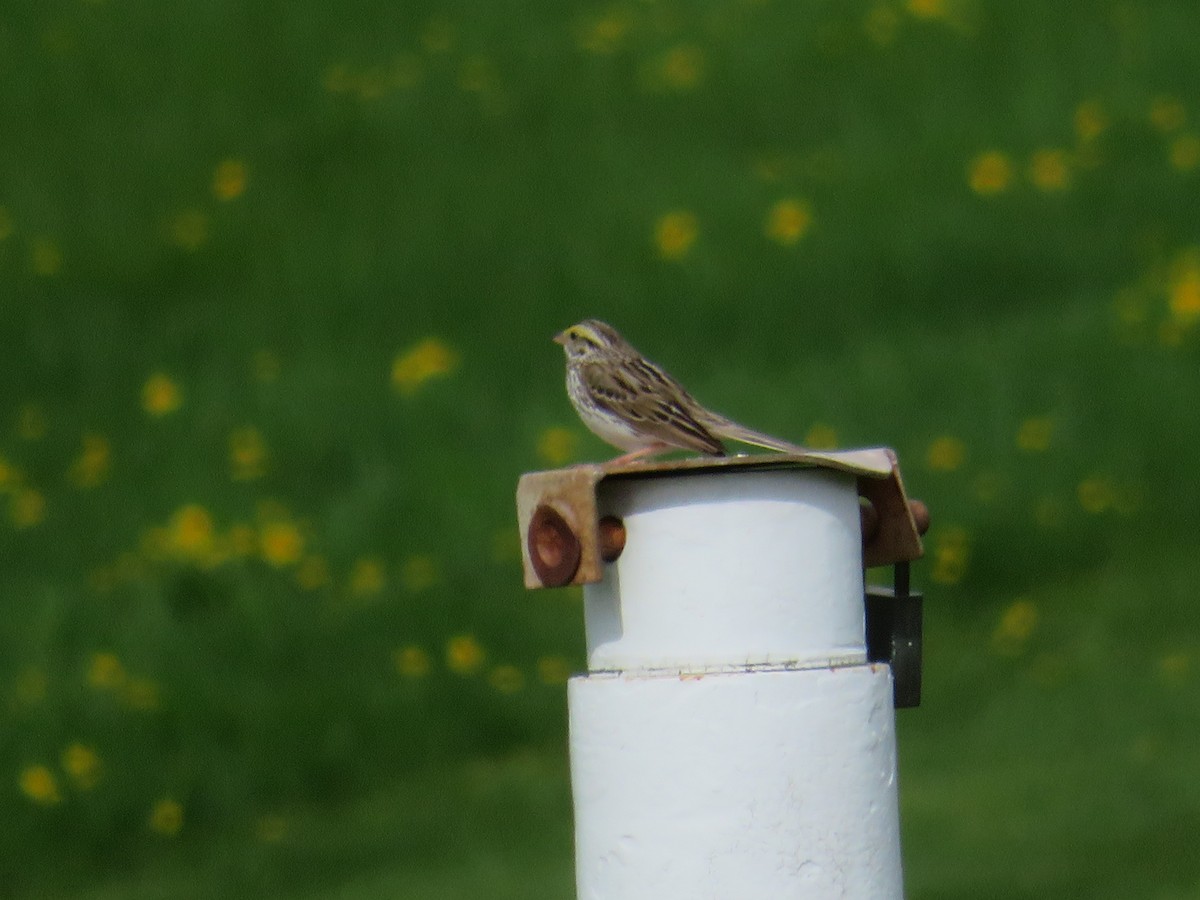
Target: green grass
1065, 768
218, 640
497, 827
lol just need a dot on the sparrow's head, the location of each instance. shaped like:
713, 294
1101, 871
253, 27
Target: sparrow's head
591, 339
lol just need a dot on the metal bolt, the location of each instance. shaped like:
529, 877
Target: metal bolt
920, 514
553, 547
869, 521
868, 518
612, 538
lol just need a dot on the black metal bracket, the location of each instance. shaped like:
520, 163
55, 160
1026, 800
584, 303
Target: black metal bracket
894, 635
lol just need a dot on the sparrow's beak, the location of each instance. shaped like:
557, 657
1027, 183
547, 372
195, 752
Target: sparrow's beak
561, 339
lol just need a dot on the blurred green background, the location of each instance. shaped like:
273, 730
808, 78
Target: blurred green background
279, 282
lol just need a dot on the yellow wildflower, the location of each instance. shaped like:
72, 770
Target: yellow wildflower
553, 670
990, 173
281, 543
247, 454
190, 533
411, 661
105, 672
372, 83
45, 257
27, 507
90, 467
464, 655
189, 229
161, 395
82, 765
271, 828
681, 68
419, 573
1034, 434
1015, 627
1184, 295
438, 36
1185, 152
604, 35
229, 179
1173, 668
476, 75
821, 437
1166, 113
141, 694
950, 554
1095, 494
771, 166
945, 454
1050, 170
926, 9
429, 359
1091, 120
166, 817
367, 577
557, 445
506, 679
788, 221
675, 233
10, 476
39, 785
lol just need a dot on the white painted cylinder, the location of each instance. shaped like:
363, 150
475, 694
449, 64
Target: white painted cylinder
730, 569
730, 740
771, 784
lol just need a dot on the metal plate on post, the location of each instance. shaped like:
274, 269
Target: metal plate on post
557, 515
562, 538
898, 535
895, 635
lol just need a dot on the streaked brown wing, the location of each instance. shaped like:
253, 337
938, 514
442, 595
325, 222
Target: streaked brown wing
663, 414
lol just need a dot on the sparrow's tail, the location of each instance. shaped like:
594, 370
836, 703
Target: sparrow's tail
730, 430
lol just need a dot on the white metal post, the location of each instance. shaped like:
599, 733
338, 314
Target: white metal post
730, 739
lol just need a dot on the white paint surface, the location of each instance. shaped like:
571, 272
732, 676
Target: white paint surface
728, 569
730, 741
766, 784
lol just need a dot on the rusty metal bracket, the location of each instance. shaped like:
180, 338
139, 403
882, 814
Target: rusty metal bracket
564, 541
